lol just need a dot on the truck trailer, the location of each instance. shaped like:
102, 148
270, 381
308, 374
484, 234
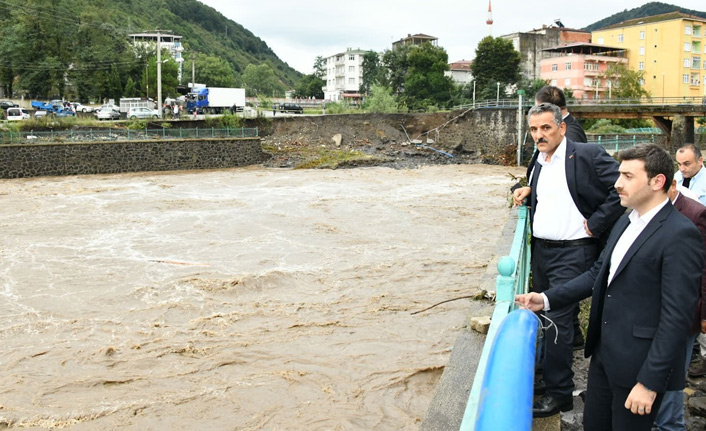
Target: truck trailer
215, 100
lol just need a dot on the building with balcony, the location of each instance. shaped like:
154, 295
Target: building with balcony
670, 49
416, 39
579, 68
344, 74
531, 45
170, 42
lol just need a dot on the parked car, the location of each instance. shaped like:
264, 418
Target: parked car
291, 107
15, 114
135, 113
107, 114
82, 108
4, 104
64, 112
40, 113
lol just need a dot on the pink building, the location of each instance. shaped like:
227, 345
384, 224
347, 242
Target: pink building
580, 68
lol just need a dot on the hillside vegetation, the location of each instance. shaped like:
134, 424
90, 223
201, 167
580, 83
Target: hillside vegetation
649, 9
52, 47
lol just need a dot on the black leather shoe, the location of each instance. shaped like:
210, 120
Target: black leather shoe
548, 405
539, 387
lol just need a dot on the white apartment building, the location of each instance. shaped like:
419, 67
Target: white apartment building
344, 74
170, 42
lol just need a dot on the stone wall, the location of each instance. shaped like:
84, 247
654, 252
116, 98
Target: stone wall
32, 160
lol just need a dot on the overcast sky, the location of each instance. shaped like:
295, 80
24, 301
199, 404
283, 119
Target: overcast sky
299, 31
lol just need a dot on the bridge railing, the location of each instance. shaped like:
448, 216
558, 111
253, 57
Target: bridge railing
502, 345
643, 101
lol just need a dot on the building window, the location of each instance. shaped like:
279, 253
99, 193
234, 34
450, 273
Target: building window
696, 62
687, 29
685, 79
555, 67
351, 57
351, 81
642, 50
553, 83
567, 83
351, 68
642, 34
600, 41
641, 65
567, 66
697, 31
621, 37
687, 62
687, 46
587, 82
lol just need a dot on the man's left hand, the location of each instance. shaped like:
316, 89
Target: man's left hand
585, 226
640, 400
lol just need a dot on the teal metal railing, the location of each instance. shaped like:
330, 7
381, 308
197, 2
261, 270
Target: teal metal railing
108, 134
513, 279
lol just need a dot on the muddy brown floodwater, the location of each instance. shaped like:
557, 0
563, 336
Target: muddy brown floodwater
242, 299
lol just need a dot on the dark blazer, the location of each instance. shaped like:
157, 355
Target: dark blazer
696, 212
641, 321
574, 132
590, 174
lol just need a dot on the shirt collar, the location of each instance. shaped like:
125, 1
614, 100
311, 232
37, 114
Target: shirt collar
559, 153
649, 215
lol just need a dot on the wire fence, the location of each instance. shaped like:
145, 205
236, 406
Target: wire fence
103, 135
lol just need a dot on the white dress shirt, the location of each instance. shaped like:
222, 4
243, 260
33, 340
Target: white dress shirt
556, 217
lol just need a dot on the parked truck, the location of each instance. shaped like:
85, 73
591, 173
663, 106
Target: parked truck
215, 100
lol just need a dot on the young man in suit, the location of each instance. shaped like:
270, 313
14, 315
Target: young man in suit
573, 204
644, 290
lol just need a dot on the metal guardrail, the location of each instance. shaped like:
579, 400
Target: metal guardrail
104, 135
645, 101
513, 279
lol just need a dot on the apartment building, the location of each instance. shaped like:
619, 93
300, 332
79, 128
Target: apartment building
670, 49
460, 72
531, 45
344, 74
579, 68
170, 42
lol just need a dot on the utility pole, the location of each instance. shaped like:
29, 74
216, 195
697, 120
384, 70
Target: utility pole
159, 72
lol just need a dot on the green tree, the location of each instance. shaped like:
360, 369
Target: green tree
496, 62
625, 83
212, 71
319, 67
260, 80
380, 100
425, 83
395, 63
373, 73
311, 86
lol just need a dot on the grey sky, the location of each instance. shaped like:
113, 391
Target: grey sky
298, 31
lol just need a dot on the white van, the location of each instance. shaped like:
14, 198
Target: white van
15, 114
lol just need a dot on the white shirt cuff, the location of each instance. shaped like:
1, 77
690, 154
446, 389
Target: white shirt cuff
546, 301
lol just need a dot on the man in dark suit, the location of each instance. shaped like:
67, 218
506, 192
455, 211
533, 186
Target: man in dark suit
671, 413
644, 290
573, 204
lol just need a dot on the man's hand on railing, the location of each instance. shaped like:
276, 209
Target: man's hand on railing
532, 301
519, 195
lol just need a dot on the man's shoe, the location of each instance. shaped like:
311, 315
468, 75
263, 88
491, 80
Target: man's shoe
698, 368
548, 405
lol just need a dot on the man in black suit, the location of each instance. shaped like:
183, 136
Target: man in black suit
644, 290
575, 133
573, 204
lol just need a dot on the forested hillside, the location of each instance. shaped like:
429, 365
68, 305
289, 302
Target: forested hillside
649, 9
80, 49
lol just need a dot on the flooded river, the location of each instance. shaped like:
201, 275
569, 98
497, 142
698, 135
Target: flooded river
243, 299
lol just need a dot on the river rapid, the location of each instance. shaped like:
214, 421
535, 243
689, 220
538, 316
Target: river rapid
239, 299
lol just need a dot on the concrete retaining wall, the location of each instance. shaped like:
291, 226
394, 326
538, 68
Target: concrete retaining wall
33, 160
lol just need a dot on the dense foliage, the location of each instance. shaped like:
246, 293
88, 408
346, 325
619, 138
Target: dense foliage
649, 9
80, 49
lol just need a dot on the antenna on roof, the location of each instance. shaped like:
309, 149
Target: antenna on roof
559, 23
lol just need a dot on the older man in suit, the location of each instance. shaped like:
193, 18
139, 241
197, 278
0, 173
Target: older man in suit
644, 289
573, 205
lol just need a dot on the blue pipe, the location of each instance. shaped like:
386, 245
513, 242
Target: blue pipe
506, 394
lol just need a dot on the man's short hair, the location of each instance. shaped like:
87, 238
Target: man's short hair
551, 94
657, 161
692, 147
546, 107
